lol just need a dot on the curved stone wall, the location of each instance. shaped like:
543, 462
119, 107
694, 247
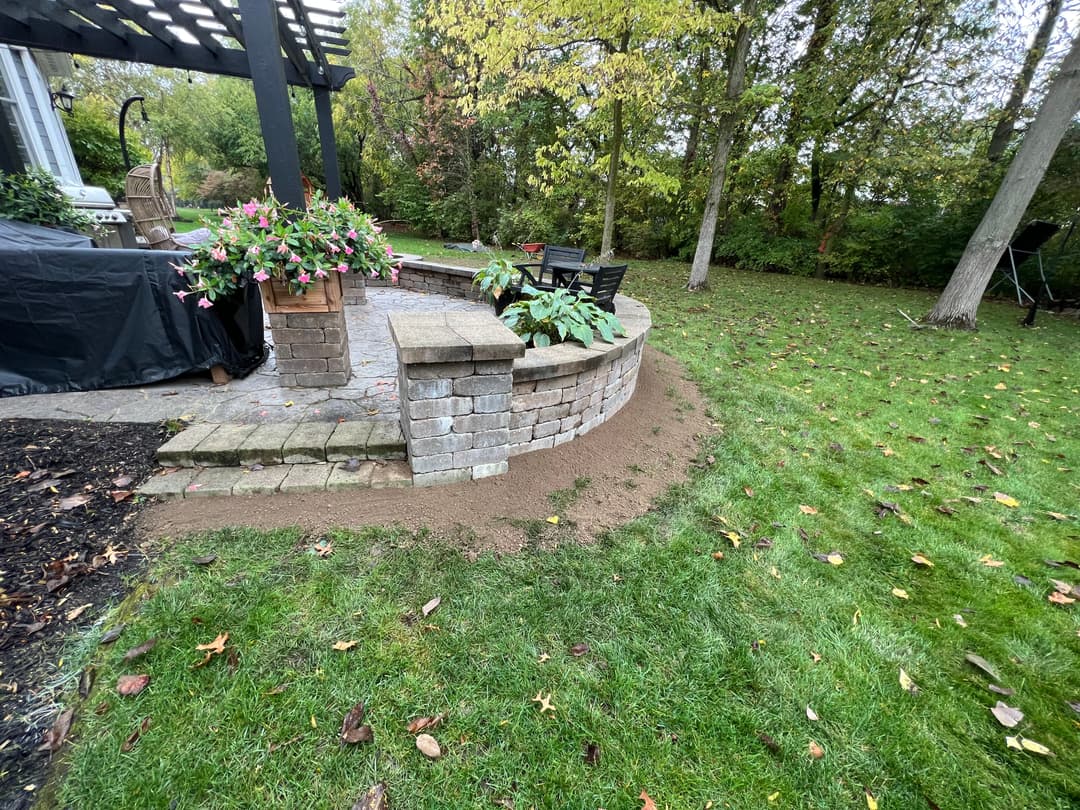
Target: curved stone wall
471, 396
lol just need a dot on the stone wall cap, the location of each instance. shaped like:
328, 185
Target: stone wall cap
451, 337
438, 267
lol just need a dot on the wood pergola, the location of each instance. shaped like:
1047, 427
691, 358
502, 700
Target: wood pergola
274, 43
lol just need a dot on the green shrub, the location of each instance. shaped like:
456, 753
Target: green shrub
34, 197
551, 316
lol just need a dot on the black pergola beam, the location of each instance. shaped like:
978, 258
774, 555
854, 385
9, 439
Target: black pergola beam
325, 117
260, 21
48, 36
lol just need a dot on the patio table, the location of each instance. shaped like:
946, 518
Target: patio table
564, 274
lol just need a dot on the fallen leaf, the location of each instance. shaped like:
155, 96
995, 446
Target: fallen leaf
420, 723
341, 646
807, 510
204, 560
769, 742
1058, 516
112, 634
734, 538
907, 684
816, 751
86, 681
1006, 715
1058, 598
959, 620
120, 482
579, 649
428, 746
815, 656
946, 510
1022, 744
981, 663
772, 797
774, 573
545, 702
834, 558
74, 501
277, 690
128, 685
554, 520
75, 613
324, 548
1000, 690
1006, 500
811, 715
855, 616
133, 737
101, 708
592, 753
718, 555
275, 746
374, 798
142, 649
1074, 705
871, 802
215, 647
54, 737
899, 593
431, 606
120, 494
352, 731
990, 562
749, 492
649, 803
919, 559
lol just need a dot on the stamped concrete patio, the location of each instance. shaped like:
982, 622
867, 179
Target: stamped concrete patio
371, 394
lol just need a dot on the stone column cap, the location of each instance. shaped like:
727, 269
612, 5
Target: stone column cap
452, 337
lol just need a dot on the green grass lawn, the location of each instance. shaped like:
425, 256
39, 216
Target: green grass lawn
699, 671
188, 219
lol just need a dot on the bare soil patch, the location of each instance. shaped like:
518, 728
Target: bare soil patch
66, 546
597, 482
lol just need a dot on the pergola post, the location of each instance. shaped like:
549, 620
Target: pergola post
325, 117
263, 44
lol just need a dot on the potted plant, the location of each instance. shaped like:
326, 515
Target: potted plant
297, 258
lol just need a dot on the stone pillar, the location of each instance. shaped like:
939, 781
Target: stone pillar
353, 289
455, 382
312, 348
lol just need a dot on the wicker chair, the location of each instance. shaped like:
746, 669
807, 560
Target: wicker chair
151, 211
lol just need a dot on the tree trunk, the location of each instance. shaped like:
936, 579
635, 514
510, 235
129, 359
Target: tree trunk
1003, 132
959, 302
725, 136
612, 180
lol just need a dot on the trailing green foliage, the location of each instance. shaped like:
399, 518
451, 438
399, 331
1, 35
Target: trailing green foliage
544, 317
34, 197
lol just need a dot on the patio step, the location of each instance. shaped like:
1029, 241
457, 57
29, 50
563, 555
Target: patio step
277, 444
294, 479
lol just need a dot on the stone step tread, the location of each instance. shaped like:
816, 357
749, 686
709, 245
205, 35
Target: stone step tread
208, 482
230, 445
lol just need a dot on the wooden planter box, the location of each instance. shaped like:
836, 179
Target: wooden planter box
324, 296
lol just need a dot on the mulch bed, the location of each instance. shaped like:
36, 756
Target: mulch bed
67, 541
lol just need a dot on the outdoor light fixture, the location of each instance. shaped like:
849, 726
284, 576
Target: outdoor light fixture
62, 99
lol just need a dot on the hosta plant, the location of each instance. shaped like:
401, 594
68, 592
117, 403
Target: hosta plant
544, 317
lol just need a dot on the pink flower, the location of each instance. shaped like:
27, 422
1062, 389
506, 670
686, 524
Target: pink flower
342, 268
377, 228
205, 303
226, 223
320, 273
348, 251
335, 249
261, 276
250, 208
351, 234
304, 278
182, 294
282, 248
218, 254
294, 259
333, 235
389, 251
394, 273
263, 222
374, 273
254, 250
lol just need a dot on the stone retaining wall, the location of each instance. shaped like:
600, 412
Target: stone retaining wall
471, 397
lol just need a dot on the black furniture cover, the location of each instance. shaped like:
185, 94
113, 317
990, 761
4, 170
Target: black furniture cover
77, 318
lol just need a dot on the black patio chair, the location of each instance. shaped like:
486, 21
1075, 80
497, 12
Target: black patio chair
605, 283
1025, 244
552, 253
